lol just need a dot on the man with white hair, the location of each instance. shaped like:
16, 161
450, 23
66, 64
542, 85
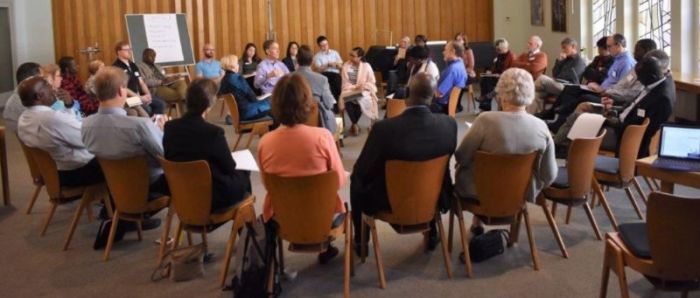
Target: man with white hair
510, 131
534, 60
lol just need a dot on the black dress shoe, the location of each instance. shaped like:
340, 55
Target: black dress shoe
327, 255
476, 230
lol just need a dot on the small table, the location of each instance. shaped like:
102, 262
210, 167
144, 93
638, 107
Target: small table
668, 178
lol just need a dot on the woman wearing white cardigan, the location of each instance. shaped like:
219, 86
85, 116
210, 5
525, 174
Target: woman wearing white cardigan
359, 89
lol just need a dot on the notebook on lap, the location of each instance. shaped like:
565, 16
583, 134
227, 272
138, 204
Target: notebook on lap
679, 148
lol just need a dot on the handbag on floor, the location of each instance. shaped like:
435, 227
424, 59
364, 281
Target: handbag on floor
487, 245
181, 264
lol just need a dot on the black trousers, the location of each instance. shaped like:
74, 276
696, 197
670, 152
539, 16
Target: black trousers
570, 98
157, 106
89, 174
487, 84
335, 82
354, 111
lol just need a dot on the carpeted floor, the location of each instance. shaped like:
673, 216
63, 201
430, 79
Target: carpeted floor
34, 266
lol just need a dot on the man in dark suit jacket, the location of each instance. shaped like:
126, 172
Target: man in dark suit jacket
655, 102
192, 138
320, 88
415, 135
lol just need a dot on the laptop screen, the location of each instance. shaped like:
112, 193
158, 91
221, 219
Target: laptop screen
680, 142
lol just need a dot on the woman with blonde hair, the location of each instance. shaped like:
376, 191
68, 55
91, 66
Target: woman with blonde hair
233, 82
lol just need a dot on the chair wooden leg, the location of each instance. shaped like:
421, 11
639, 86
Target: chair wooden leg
639, 190
619, 268
568, 215
630, 195
656, 184
554, 210
591, 218
531, 239
238, 140
465, 246
112, 232
166, 234
347, 258
33, 199
515, 230
604, 201
445, 253
76, 218
90, 213
649, 183
553, 226
139, 230
250, 140
189, 238
377, 252
223, 106
178, 235
593, 202
48, 218
606, 270
237, 225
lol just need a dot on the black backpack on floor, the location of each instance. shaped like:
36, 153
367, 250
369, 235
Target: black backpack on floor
257, 259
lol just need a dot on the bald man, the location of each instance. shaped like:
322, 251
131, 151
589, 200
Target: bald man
533, 60
209, 67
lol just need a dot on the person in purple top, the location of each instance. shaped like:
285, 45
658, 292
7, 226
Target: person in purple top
271, 69
454, 75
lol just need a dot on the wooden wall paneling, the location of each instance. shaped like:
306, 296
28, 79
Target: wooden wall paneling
231, 24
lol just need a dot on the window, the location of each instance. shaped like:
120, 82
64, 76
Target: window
603, 18
655, 22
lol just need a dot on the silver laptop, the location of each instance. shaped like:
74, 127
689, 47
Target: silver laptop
679, 148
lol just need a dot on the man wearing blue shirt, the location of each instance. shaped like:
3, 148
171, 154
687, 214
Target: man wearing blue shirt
622, 64
209, 67
454, 75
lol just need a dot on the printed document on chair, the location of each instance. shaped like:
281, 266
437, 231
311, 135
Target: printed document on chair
245, 161
586, 126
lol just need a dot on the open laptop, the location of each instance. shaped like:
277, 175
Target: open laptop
679, 148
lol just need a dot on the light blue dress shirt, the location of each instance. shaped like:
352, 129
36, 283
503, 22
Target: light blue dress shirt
623, 63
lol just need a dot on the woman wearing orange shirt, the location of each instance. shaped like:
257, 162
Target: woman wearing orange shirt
295, 149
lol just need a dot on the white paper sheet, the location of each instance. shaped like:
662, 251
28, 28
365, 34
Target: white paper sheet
245, 161
586, 126
163, 36
133, 101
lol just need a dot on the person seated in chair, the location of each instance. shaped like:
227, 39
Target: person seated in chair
295, 149
415, 135
533, 60
454, 75
568, 69
111, 134
170, 88
192, 138
503, 61
359, 90
249, 107
136, 86
510, 131
597, 70
13, 107
320, 89
57, 133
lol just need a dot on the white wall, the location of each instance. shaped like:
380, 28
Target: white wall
33, 31
511, 20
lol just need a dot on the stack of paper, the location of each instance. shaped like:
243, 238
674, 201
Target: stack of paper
586, 126
245, 161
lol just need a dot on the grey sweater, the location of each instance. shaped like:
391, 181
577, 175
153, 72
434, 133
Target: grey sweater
507, 133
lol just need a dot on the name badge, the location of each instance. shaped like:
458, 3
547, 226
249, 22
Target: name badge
641, 113
531, 59
136, 74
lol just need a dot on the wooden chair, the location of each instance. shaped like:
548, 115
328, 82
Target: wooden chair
572, 186
191, 192
58, 195
653, 150
453, 101
314, 120
304, 209
395, 107
175, 106
3, 169
381, 85
413, 188
665, 250
36, 176
501, 198
128, 182
619, 172
253, 127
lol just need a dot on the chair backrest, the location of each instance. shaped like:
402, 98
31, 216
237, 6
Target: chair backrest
629, 148
502, 193
190, 190
395, 107
314, 119
304, 206
654, 143
580, 165
230, 101
413, 188
33, 167
46, 167
128, 182
674, 235
454, 100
